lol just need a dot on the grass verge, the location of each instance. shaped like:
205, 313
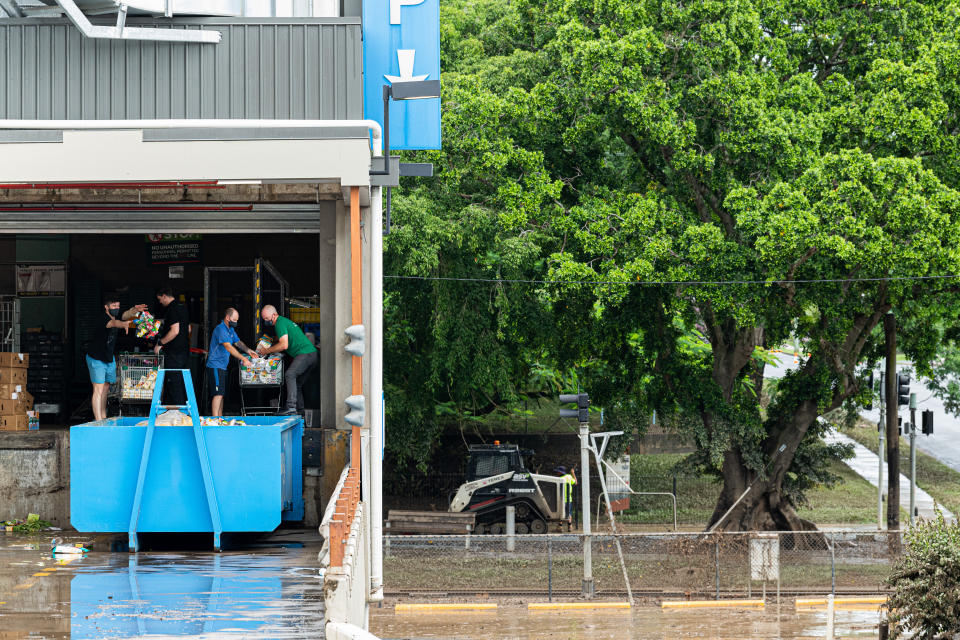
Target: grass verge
934, 477
851, 501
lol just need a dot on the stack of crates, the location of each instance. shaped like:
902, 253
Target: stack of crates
46, 378
16, 404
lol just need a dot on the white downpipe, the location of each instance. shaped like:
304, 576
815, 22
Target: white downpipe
376, 394
122, 32
106, 125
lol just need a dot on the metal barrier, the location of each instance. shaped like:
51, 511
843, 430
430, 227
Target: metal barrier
345, 510
716, 565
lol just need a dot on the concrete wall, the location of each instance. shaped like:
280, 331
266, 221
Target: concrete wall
35, 475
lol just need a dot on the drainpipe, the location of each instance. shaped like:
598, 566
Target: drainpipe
122, 32
376, 395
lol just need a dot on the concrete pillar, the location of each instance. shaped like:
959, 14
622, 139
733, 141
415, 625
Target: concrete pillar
328, 339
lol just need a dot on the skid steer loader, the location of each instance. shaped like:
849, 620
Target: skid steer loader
497, 479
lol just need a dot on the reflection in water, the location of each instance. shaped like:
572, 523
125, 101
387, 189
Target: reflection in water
642, 623
268, 594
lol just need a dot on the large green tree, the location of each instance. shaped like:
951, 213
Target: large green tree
703, 180
804, 155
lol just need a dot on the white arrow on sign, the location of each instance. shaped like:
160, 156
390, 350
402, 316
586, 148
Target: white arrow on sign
405, 58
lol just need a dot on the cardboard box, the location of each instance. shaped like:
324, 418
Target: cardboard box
19, 403
13, 375
12, 391
14, 360
19, 422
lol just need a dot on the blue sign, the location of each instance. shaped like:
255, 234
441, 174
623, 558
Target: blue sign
401, 42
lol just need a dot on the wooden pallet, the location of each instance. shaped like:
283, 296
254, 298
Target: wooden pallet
429, 522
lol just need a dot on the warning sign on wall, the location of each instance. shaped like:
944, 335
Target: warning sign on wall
165, 249
41, 279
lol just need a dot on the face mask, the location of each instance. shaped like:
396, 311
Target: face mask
232, 324
268, 323
115, 313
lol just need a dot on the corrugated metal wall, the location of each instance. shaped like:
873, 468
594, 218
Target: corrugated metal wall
300, 68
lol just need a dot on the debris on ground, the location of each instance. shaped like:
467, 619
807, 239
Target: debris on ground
32, 524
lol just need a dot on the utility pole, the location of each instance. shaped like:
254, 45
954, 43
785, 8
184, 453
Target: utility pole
913, 456
582, 414
893, 432
881, 427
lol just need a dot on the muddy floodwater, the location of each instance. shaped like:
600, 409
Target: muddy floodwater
270, 590
516, 623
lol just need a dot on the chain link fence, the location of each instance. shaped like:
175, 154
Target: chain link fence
717, 565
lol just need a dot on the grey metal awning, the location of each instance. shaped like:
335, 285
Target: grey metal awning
104, 219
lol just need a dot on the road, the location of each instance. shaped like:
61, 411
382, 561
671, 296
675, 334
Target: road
944, 444
262, 592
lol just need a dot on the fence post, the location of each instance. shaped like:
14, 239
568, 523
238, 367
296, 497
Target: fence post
716, 555
511, 527
549, 569
466, 540
779, 565
830, 617
833, 569
386, 539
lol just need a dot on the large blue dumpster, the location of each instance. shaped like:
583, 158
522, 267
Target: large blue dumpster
139, 478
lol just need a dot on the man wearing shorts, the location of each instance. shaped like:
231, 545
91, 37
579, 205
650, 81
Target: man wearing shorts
100, 362
224, 343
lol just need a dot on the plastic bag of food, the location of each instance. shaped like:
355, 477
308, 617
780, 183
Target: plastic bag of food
147, 326
174, 418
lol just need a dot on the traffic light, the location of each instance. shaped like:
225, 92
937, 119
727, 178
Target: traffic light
903, 389
357, 410
582, 412
926, 422
869, 405
357, 335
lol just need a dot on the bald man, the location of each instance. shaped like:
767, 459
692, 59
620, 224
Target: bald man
290, 338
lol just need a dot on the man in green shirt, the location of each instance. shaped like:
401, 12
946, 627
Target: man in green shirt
290, 338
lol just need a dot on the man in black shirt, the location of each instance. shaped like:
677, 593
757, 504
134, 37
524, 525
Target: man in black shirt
100, 362
175, 344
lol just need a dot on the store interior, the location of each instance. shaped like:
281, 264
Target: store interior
51, 286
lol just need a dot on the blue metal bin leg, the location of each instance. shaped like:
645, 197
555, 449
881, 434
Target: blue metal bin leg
192, 409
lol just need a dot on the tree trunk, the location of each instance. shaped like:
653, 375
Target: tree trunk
893, 429
761, 506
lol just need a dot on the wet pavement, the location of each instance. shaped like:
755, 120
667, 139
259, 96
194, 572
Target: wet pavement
641, 623
270, 590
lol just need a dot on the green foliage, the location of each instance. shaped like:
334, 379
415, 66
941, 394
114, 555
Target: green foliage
606, 147
926, 582
32, 524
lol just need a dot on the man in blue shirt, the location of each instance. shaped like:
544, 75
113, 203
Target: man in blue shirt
224, 343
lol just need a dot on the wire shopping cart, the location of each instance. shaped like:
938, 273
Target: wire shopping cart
266, 374
136, 378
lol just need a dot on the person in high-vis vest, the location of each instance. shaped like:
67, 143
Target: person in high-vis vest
569, 480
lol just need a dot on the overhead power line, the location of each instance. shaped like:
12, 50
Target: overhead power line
671, 282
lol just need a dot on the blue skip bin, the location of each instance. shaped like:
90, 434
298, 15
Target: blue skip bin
180, 479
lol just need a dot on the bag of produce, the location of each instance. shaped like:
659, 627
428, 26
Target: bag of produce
147, 326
